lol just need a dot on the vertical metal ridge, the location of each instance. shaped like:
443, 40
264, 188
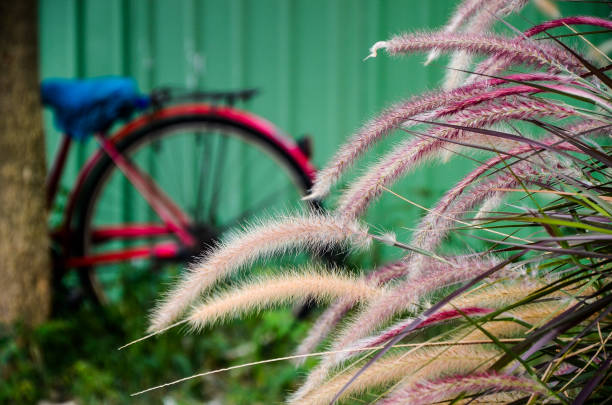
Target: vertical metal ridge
293, 65
334, 53
126, 57
197, 32
151, 14
79, 24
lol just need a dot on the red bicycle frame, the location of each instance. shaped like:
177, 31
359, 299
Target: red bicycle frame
175, 222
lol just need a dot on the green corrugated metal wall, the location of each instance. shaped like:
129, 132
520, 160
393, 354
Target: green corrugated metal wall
306, 56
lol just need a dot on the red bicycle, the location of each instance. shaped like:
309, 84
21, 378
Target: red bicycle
169, 182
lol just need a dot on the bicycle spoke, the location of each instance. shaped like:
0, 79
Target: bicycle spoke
204, 161
152, 158
216, 178
261, 206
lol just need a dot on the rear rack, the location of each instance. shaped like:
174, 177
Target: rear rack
168, 95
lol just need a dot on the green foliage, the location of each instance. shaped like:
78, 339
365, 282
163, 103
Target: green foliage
75, 356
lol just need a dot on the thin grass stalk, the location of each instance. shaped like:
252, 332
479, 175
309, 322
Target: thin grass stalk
395, 329
436, 224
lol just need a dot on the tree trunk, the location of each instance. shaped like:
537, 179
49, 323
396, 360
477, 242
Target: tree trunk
24, 247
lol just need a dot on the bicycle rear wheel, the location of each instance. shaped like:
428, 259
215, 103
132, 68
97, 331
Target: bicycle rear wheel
218, 171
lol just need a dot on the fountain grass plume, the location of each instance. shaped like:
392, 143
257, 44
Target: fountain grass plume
264, 292
436, 277
547, 56
494, 296
438, 390
523, 90
561, 22
399, 298
314, 232
410, 153
416, 365
392, 117
498, 63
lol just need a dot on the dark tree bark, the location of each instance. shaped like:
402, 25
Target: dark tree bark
24, 248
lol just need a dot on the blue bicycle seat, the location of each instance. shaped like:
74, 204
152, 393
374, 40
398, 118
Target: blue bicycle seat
84, 107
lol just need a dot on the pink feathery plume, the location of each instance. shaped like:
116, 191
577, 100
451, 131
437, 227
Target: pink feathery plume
546, 56
392, 117
412, 152
577, 20
499, 93
590, 127
266, 292
499, 63
494, 94
488, 13
430, 392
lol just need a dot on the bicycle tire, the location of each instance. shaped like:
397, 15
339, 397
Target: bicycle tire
162, 130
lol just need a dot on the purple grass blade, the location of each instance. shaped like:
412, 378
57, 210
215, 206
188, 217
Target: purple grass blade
505, 135
537, 246
588, 388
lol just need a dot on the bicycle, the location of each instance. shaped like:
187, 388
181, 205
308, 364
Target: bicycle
175, 140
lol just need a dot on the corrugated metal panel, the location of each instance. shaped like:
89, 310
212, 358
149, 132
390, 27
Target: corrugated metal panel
306, 56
